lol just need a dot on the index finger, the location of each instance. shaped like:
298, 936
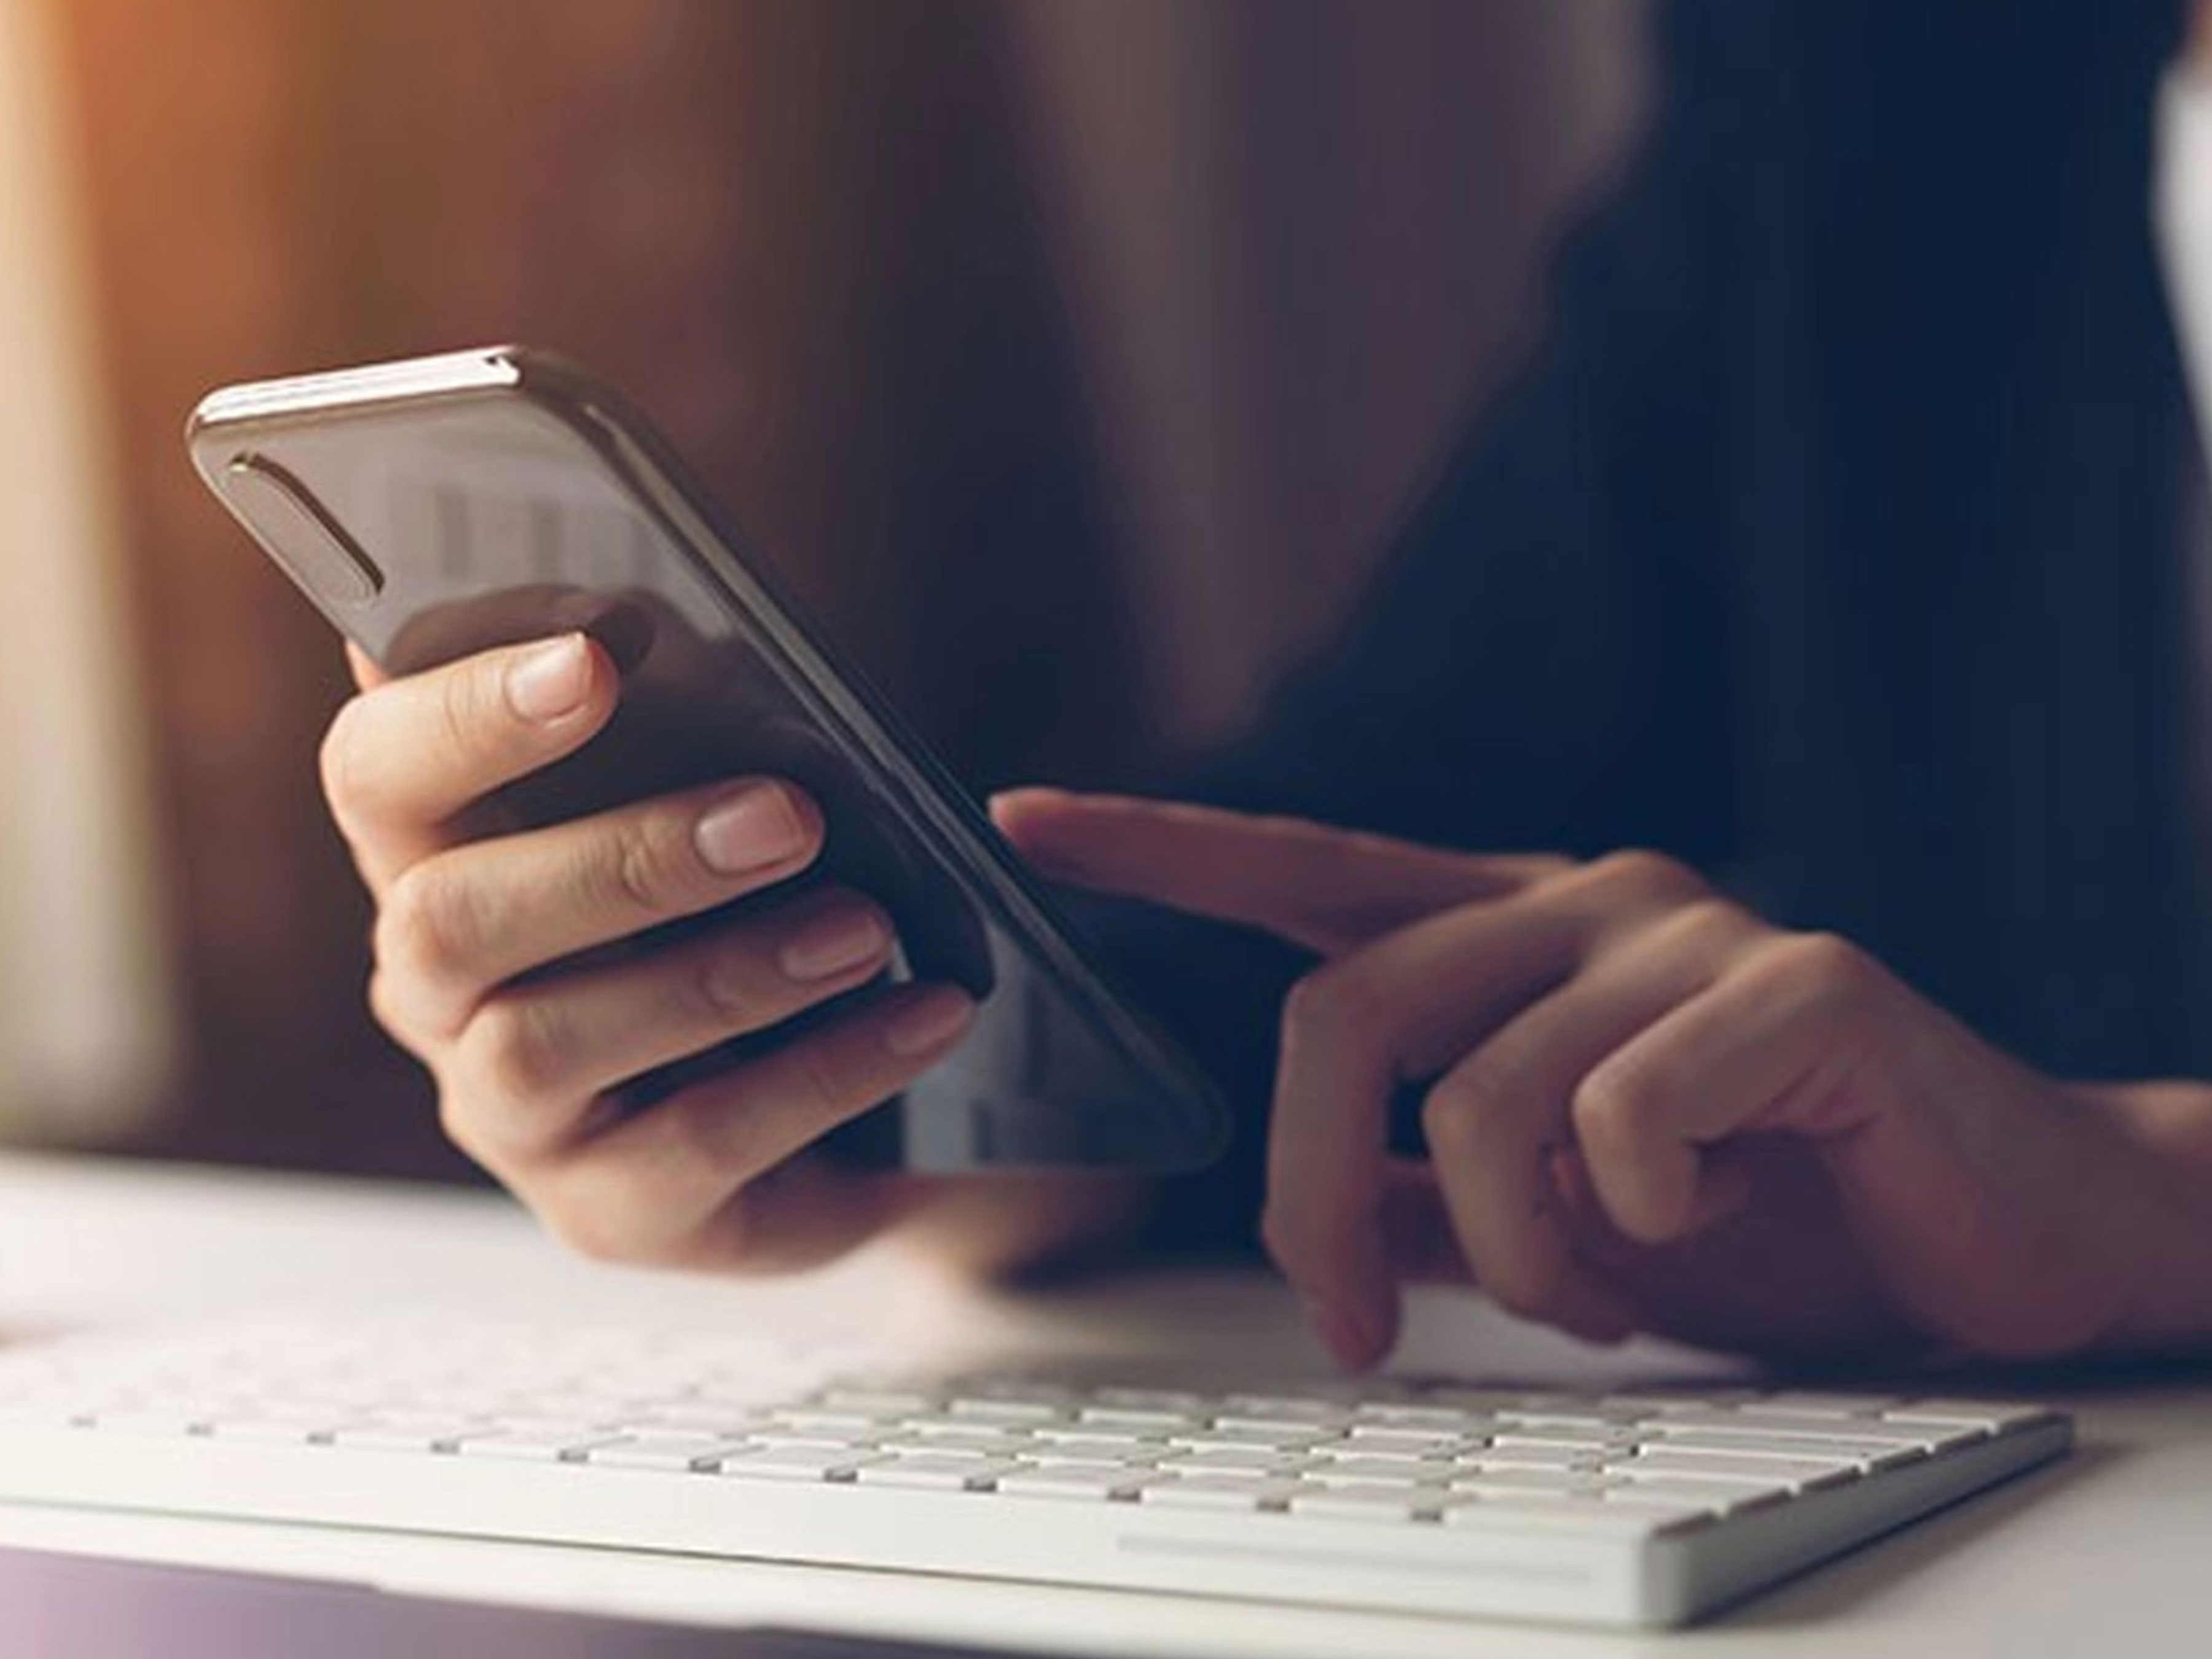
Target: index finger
406, 757
1326, 889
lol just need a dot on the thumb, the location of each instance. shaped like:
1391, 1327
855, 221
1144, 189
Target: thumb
1326, 889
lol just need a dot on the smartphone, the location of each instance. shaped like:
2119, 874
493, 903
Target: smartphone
445, 505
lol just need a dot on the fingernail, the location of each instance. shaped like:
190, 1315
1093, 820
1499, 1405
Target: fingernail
754, 827
832, 943
551, 682
929, 1022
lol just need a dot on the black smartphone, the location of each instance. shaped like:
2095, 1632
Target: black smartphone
445, 505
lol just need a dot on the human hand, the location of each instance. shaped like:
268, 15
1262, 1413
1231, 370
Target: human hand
1646, 1109
512, 964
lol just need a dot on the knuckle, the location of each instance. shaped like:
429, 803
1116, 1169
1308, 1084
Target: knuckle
517, 1052
1454, 1111
1646, 875
718, 987
463, 697
1331, 1006
645, 867
825, 1082
1827, 967
1713, 921
1608, 1104
427, 928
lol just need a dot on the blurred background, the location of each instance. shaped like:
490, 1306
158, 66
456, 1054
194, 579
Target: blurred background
1074, 360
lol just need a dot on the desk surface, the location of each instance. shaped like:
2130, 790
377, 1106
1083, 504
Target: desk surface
2110, 1550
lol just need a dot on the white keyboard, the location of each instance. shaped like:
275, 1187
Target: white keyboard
1432, 1496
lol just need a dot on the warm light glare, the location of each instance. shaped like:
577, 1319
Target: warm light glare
85, 1033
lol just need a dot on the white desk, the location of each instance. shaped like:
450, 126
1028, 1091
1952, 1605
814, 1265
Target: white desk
2109, 1552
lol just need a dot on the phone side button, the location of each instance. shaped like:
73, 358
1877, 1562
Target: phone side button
296, 528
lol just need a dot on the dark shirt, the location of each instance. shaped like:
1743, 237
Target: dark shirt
1829, 542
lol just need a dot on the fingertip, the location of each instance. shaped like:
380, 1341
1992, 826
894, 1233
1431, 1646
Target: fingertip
1352, 1338
932, 1019
1044, 825
1025, 800
1027, 816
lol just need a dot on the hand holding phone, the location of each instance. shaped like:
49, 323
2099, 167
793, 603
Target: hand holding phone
520, 969
665, 895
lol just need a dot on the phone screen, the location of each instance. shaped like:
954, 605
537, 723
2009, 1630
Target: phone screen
453, 518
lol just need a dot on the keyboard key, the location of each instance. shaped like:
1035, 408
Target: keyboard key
1720, 1497
685, 1419
1261, 1439
1801, 1402
1074, 1480
930, 1471
836, 1418
1927, 1436
1798, 1473
1432, 1419
1098, 1437
1373, 1471
1160, 1419
976, 1441
1220, 1491
530, 1448
367, 1437
1545, 1480
1386, 1503
1872, 1454
1094, 1456
812, 1439
1232, 1459
1502, 1455
795, 1463
1178, 1400
151, 1422
1023, 1389
1006, 1411
1413, 1443
1273, 1409
1475, 1401
678, 1455
1989, 1416
286, 1431
1592, 1437
890, 1402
